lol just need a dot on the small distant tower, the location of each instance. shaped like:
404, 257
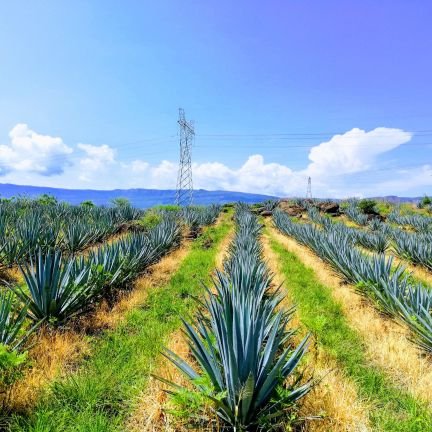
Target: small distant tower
309, 189
184, 193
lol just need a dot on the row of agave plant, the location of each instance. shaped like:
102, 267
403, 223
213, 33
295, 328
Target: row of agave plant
24, 229
420, 223
59, 286
197, 216
377, 236
356, 215
241, 343
415, 247
388, 285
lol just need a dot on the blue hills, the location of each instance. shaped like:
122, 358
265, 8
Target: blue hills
142, 198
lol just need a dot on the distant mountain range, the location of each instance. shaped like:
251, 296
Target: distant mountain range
398, 200
145, 198
142, 198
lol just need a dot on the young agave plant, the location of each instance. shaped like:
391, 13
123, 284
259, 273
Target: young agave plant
376, 241
54, 293
77, 236
12, 322
243, 352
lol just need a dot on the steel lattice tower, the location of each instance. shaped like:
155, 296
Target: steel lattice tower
184, 193
309, 189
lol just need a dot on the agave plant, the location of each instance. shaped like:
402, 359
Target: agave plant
375, 224
416, 248
53, 292
357, 216
12, 251
420, 324
270, 204
77, 236
242, 348
164, 235
375, 241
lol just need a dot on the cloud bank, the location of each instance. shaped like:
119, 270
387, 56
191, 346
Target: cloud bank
46, 160
31, 152
354, 151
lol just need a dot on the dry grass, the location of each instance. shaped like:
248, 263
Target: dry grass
56, 352
223, 251
348, 222
417, 271
151, 415
335, 397
387, 343
53, 352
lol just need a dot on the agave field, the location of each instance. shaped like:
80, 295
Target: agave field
242, 340
233, 318
386, 284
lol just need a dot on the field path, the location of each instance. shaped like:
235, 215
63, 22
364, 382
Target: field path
150, 413
336, 398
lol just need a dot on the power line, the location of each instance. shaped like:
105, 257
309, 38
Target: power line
313, 134
266, 146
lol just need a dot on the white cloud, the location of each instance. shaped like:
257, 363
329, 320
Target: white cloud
31, 152
163, 176
408, 179
97, 156
138, 166
353, 151
255, 175
335, 167
97, 161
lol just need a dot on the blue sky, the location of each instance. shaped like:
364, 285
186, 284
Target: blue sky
89, 93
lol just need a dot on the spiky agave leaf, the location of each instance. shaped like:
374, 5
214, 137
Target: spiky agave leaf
77, 236
12, 322
54, 292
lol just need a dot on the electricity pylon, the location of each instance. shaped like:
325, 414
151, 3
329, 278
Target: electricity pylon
309, 189
184, 193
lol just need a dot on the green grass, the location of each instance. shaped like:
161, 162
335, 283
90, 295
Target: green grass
392, 409
101, 394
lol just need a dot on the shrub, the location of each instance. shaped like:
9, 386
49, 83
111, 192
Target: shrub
47, 199
87, 204
367, 206
120, 202
150, 219
168, 207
